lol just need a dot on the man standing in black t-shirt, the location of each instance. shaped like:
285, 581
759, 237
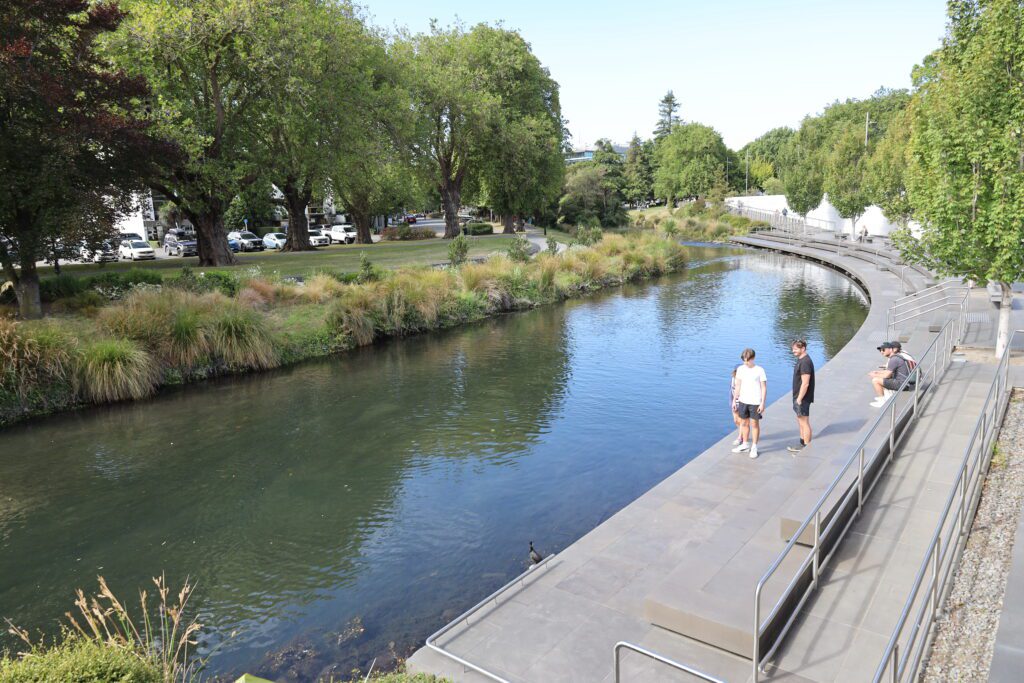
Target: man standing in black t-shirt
803, 394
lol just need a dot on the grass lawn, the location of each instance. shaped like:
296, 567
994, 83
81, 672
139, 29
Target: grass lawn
342, 257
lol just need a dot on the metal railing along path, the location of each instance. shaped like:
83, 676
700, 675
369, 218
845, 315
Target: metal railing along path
948, 296
464, 617
790, 222
945, 548
890, 426
623, 645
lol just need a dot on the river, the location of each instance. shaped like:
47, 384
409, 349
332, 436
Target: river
340, 511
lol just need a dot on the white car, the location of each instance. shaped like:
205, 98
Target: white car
342, 234
275, 240
318, 239
105, 252
135, 250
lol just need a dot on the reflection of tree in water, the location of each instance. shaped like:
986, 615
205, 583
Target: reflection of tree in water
266, 488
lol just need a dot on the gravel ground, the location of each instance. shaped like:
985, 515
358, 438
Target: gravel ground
966, 634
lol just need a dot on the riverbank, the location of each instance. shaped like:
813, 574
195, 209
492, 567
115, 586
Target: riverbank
695, 221
205, 324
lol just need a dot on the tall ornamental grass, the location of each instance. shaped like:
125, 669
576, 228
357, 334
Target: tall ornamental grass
116, 370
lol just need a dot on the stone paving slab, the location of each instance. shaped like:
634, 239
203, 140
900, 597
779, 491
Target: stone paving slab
564, 623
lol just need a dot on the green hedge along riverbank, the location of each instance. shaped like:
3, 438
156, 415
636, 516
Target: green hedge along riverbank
204, 324
695, 221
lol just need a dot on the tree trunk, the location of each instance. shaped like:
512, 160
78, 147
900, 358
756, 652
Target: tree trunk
362, 219
26, 289
450, 197
296, 199
1005, 307
211, 240
509, 223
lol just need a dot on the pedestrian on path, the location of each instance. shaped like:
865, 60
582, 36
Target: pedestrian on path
803, 393
734, 407
892, 376
752, 394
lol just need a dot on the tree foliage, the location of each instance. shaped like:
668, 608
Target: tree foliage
638, 171
691, 160
667, 115
71, 152
966, 173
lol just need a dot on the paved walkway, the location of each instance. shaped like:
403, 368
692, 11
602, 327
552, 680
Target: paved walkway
562, 624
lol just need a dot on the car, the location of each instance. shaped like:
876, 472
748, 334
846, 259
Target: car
274, 240
410, 218
180, 243
318, 238
131, 236
247, 241
342, 234
104, 252
233, 245
135, 250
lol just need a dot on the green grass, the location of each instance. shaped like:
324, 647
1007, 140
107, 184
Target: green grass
341, 257
82, 661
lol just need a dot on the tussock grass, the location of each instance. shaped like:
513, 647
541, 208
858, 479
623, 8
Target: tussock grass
116, 370
180, 332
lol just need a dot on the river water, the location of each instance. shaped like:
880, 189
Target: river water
340, 511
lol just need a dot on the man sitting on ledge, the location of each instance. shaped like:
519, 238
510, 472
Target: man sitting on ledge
896, 371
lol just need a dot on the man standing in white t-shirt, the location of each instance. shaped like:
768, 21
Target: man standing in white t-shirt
753, 390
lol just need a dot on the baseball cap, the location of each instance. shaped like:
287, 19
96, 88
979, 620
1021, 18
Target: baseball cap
887, 345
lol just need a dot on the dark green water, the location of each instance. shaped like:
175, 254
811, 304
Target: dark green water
343, 510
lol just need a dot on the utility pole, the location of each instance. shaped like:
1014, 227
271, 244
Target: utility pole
867, 120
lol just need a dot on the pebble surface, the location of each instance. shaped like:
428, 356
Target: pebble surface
966, 632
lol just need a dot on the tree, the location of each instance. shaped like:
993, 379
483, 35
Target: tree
209, 69
523, 153
887, 171
589, 197
760, 170
846, 174
691, 160
70, 153
768, 147
667, 118
638, 171
966, 174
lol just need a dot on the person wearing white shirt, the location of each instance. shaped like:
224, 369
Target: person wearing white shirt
753, 392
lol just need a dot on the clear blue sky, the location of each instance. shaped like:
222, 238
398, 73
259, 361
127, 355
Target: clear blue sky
742, 66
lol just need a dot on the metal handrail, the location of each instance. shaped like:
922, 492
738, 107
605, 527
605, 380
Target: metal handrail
942, 286
933, 361
944, 550
659, 658
431, 640
951, 296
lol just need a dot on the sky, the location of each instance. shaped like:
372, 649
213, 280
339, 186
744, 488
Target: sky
740, 66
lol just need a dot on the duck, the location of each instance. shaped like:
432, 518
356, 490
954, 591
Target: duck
535, 557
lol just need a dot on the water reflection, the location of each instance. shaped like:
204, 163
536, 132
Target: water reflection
340, 511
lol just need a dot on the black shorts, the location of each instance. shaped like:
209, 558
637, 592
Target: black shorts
747, 411
892, 384
802, 409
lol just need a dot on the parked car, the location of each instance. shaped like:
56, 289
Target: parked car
234, 245
105, 252
342, 234
410, 218
131, 236
318, 238
247, 241
135, 250
178, 243
274, 240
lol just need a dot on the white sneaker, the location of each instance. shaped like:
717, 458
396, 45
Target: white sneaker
753, 452
741, 448
878, 402
736, 441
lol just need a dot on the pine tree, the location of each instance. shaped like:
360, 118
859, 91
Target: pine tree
667, 118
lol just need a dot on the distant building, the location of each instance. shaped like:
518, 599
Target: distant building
587, 154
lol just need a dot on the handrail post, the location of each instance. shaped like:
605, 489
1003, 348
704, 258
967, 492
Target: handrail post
860, 480
936, 554
817, 548
895, 663
757, 631
963, 503
892, 428
917, 388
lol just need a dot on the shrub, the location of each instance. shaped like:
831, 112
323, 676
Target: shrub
61, 287
458, 251
80, 660
86, 302
552, 246
355, 314
405, 232
208, 281
478, 228
589, 236
321, 287
31, 358
519, 249
116, 370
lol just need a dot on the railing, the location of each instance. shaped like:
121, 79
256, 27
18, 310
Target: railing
944, 550
941, 297
622, 645
493, 597
829, 529
789, 222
